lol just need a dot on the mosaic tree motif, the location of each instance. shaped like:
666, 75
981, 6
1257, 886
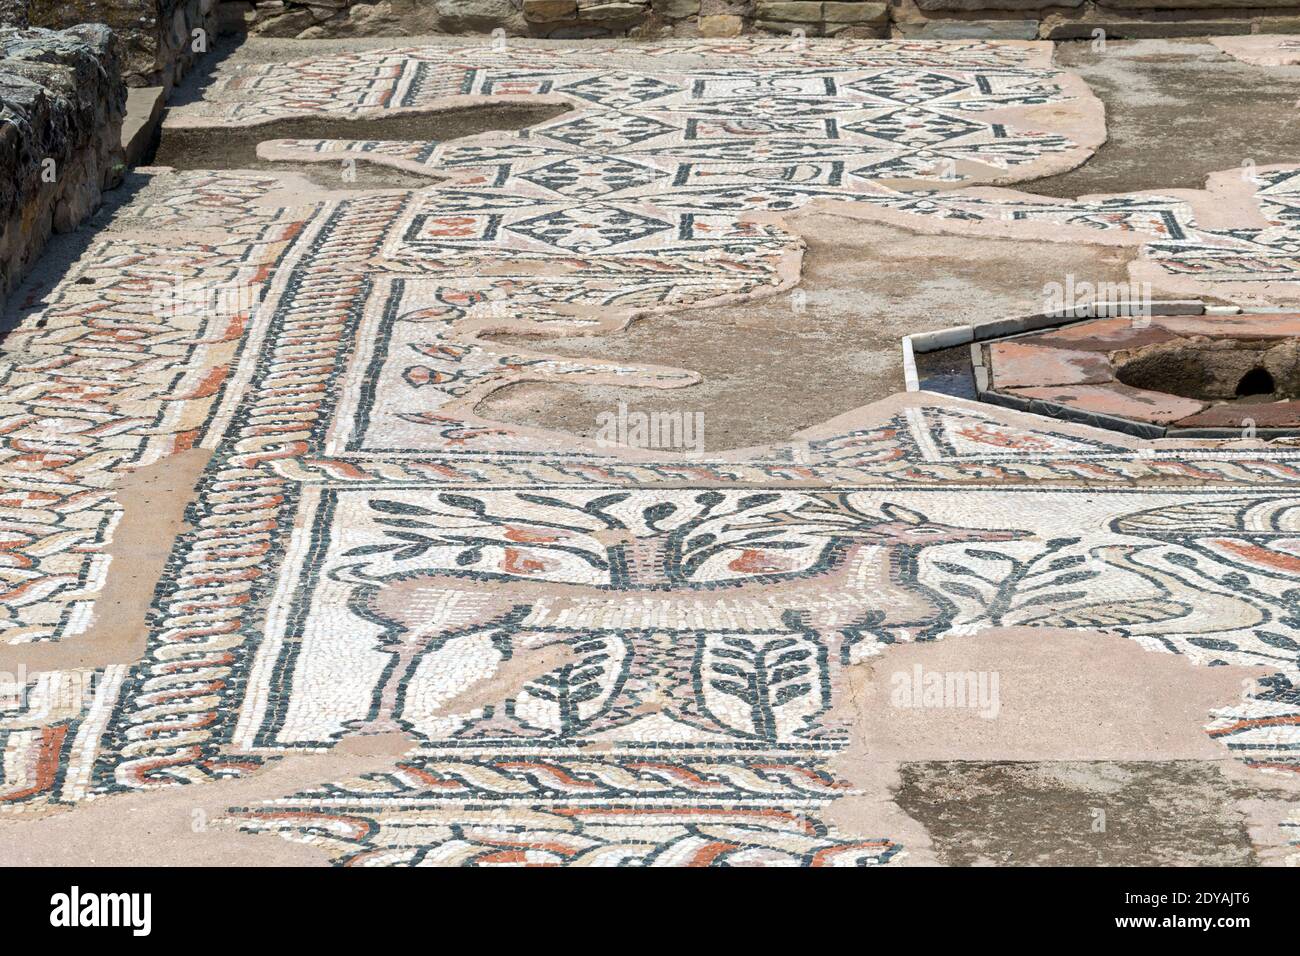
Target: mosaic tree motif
365, 551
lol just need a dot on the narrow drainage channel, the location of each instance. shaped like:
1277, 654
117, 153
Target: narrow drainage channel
236, 147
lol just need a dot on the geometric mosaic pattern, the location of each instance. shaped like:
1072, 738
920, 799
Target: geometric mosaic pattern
364, 549
636, 199
1176, 251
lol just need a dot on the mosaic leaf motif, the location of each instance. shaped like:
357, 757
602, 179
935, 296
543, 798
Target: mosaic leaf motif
1023, 590
763, 688
915, 127
567, 700
607, 131
364, 555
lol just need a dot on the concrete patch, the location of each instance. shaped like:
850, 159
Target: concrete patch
174, 826
1083, 720
1095, 813
153, 501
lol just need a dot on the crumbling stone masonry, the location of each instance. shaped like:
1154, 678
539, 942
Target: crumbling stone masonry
61, 105
158, 36
923, 19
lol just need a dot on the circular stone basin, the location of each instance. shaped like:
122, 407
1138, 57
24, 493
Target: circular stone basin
1197, 372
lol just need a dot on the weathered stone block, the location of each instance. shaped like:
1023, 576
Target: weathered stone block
994, 4
287, 24
789, 11
1279, 25
858, 31
776, 26
546, 11
62, 101
871, 13
611, 11
1144, 29
580, 31
721, 25
971, 29
678, 9
478, 16
1193, 4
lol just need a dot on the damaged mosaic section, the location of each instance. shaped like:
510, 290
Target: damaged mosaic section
365, 551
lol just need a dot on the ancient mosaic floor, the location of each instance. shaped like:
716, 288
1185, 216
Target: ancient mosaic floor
1262, 50
367, 555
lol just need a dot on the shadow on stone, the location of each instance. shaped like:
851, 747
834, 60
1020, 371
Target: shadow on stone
236, 147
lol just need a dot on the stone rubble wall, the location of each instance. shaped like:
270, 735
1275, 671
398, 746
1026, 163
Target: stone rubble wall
62, 101
925, 19
157, 35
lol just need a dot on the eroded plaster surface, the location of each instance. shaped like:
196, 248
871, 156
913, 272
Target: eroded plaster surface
1272, 49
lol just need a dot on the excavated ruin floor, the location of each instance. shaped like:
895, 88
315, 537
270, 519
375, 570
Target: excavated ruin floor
460, 455
1176, 111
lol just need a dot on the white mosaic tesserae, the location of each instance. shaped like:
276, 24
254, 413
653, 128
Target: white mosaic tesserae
367, 554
